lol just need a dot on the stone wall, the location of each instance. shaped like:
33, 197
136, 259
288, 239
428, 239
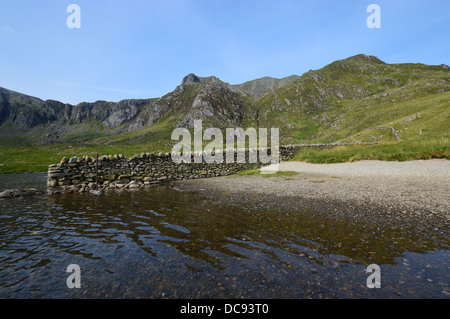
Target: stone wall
145, 169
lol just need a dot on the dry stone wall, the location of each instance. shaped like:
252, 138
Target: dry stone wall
145, 169
114, 172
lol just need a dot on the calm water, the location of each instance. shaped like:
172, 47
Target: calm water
165, 243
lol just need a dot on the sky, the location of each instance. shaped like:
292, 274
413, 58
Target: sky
143, 48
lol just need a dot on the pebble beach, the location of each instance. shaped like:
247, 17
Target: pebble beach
413, 194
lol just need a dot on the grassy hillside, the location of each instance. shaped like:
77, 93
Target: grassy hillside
347, 97
422, 148
360, 99
36, 158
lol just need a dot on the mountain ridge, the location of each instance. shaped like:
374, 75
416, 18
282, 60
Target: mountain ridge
320, 104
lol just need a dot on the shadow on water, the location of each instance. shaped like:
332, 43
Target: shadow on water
165, 243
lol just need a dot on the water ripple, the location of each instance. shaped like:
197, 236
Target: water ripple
155, 243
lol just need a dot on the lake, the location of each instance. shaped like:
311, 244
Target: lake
162, 242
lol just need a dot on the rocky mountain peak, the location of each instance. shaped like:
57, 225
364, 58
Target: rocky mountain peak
190, 79
368, 58
311, 100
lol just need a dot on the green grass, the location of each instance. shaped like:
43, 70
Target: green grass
37, 158
30, 159
249, 172
383, 95
425, 148
280, 174
253, 172
375, 95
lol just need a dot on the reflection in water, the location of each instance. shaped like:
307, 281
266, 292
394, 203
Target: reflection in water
161, 242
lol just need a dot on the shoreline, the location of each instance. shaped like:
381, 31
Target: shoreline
412, 193
419, 203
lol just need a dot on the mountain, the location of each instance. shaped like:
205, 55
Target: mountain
259, 87
29, 120
207, 98
358, 98
352, 96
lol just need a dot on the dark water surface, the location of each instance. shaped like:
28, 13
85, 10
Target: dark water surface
165, 243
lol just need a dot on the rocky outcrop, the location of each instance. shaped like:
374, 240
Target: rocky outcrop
13, 193
196, 98
259, 87
190, 79
216, 104
157, 110
397, 137
22, 113
209, 99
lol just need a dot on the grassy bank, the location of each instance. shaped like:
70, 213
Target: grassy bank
425, 148
30, 159
37, 158
251, 172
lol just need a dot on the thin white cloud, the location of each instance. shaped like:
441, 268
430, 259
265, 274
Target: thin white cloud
7, 28
134, 91
124, 91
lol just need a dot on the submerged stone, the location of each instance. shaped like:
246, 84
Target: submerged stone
12, 193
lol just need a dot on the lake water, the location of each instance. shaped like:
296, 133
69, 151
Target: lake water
162, 242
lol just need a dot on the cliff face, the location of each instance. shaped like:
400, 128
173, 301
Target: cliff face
195, 98
207, 99
26, 112
341, 99
24, 115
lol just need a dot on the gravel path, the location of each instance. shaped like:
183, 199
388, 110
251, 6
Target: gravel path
396, 192
435, 168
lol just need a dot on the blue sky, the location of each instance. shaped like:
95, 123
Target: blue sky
141, 49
